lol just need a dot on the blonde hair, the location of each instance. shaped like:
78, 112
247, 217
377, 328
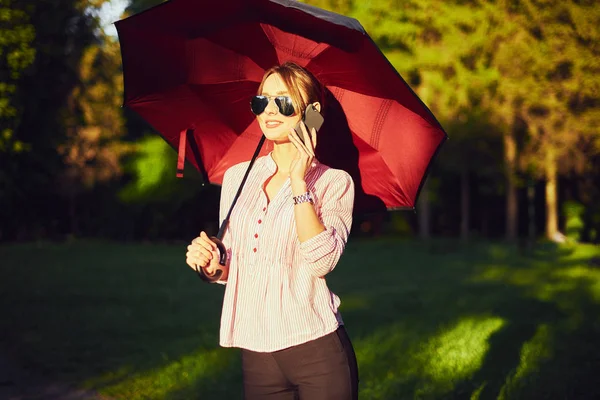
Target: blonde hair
299, 81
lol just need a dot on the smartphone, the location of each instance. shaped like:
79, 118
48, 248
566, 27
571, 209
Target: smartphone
312, 119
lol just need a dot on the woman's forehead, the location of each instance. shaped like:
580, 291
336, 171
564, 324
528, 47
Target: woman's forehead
274, 85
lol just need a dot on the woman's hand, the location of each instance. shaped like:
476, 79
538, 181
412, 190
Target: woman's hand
203, 253
306, 152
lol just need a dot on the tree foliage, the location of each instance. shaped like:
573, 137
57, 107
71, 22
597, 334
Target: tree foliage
515, 83
59, 34
93, 120
523, 70
136, 6
16, 54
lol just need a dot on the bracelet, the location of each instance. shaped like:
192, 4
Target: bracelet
303, 198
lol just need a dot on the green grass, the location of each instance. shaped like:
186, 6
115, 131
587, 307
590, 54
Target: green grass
428, 321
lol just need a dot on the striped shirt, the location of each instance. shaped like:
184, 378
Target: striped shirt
276, 295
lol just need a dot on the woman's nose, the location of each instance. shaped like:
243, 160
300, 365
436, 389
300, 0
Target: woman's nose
271, 107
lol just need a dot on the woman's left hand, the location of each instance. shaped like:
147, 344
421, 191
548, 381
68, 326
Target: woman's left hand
306, 152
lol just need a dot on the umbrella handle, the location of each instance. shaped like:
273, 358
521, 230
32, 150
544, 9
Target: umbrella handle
220, 273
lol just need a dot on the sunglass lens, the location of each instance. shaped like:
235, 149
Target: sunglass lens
258, 104
284, 103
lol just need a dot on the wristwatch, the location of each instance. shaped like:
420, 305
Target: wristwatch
303, 198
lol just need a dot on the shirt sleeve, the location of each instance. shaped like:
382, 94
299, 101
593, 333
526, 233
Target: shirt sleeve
323, 251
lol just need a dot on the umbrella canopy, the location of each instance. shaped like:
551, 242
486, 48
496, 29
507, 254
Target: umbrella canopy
191, 66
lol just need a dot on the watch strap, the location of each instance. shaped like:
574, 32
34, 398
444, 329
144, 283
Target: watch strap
303, 198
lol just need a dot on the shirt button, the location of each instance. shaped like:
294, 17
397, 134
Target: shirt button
254, 250
256, 235
260, 221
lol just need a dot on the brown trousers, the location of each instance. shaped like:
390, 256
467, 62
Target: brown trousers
322, 369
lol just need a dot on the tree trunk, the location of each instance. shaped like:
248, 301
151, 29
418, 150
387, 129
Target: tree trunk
551, 195
464, 204
510, 161
424, 213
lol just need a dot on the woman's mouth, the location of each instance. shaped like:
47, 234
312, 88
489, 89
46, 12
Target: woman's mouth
272, 124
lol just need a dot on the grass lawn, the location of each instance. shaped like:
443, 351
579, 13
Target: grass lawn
428, 321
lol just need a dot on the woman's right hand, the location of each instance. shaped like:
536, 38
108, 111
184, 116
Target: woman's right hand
203, 253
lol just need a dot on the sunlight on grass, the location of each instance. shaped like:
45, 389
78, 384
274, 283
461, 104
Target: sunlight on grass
563, 284
475, 395
519, 277
384, 361
458, 352
533, 353
584, 251
550, 283
547, 281
591, 275
181, 375
480, 322
432, 366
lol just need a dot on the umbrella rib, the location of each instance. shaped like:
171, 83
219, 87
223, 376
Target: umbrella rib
291, 51
196, 151
384, 109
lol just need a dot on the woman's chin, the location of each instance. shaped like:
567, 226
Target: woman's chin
277, 137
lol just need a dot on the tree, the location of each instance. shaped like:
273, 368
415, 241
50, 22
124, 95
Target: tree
93, 150
58, 34
550, 74
16, 54
443, 51
529, 66
137, 6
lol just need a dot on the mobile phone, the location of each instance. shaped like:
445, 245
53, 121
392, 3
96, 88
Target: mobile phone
312, 118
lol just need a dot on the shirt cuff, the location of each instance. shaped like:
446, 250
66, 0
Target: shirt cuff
317, 246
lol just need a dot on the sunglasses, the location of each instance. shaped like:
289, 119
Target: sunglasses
258, 104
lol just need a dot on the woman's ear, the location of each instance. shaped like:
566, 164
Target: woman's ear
317, 106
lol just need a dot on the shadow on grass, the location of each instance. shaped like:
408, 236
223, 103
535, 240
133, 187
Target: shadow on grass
432, 321
483, 322
132, 321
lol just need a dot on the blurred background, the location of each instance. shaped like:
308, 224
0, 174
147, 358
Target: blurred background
490, 290
516, 84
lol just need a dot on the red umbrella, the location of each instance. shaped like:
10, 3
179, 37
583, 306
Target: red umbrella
191, 66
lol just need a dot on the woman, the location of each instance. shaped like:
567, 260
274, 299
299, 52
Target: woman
286, 233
